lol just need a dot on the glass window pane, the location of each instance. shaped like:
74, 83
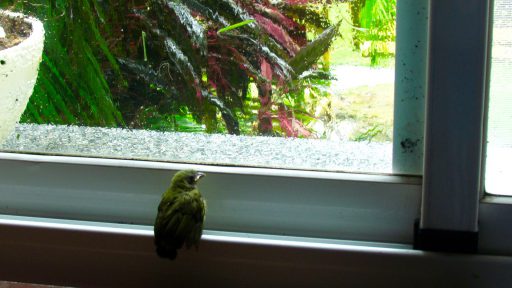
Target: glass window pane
286, 84
499, 134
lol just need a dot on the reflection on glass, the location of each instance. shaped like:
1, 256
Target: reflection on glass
320, 71
499, 134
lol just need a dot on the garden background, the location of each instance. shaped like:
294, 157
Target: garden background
313, 69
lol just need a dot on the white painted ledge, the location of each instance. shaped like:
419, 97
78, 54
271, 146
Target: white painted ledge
80, 256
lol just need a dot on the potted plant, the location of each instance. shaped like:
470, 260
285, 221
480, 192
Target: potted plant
21, 47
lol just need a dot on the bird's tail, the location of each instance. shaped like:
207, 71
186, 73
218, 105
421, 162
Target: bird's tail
166, 252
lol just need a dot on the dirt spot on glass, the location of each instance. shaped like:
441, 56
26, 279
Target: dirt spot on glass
408, 145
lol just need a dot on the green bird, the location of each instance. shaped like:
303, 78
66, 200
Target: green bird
180, 215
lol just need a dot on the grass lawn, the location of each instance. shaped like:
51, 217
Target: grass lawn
363, 113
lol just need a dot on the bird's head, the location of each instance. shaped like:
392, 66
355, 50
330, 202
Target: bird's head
186, 180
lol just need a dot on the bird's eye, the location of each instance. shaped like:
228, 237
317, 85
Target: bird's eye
191, 179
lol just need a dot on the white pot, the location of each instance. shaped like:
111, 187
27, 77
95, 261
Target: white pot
18, 73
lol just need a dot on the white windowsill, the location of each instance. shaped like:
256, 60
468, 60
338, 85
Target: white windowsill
130, 230
379, 208
96, 254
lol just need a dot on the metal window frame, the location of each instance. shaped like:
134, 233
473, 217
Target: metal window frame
457, 86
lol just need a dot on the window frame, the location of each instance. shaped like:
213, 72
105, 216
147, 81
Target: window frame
491, 213
252, 200
454, 146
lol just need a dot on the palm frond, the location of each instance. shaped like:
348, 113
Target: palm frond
310, 54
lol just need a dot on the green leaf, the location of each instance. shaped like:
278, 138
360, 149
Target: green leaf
234, 26
309, 54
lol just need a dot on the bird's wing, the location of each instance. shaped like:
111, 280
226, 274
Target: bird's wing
199, 208
180, 220
197, 230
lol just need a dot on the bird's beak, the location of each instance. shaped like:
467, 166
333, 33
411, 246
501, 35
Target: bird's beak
199, 175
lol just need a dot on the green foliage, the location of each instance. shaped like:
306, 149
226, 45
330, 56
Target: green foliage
161, 64
71, 87
377, 18
301, 101
213, 80
236, 25
310, 53
369, 134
